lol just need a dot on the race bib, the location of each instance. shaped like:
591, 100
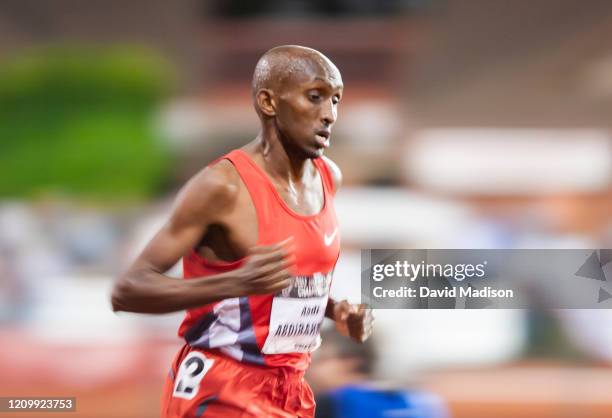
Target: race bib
297, 314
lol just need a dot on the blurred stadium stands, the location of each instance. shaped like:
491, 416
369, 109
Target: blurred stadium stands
473, 124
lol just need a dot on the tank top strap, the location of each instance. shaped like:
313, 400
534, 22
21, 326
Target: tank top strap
260, 189
327, 177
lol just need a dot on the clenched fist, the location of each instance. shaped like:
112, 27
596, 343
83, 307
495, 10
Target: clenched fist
266, 269
353, 321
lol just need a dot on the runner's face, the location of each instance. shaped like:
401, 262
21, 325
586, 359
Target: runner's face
307, 110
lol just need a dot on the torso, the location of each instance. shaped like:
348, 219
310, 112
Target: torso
280, 329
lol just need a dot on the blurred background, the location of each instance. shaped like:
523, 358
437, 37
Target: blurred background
472, 124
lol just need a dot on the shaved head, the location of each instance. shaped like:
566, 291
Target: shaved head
288, 64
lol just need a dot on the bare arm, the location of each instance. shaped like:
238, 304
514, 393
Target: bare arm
144, 288
337, 178
353, 321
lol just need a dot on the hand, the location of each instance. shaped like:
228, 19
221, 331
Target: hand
353, 321
266, 269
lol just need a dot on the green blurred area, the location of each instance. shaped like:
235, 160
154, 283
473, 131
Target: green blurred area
79, 121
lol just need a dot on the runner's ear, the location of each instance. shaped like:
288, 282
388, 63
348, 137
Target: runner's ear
265, 102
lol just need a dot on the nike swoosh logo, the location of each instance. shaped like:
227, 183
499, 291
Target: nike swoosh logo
329, 239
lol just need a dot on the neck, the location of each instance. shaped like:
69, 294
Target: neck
279, 161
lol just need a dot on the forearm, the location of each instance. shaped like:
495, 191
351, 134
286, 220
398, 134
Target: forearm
147, 291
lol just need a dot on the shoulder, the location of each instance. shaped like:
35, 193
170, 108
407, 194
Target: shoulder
335, 172
213, 189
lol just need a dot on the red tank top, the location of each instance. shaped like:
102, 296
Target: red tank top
273, 330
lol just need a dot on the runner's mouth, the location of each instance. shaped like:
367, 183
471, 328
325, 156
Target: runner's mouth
322, 138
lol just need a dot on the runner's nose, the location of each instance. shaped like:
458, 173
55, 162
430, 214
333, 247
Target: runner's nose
328, 114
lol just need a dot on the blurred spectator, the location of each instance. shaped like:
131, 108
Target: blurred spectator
342, 378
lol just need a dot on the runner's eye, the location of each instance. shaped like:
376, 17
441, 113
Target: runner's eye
315, 97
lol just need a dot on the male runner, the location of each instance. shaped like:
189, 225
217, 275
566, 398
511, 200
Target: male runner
259, 239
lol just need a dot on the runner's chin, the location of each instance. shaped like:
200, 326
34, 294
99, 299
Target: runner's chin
320, 147
315, 151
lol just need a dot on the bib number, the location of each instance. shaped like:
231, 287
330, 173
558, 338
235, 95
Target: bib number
297, 314
190, 374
